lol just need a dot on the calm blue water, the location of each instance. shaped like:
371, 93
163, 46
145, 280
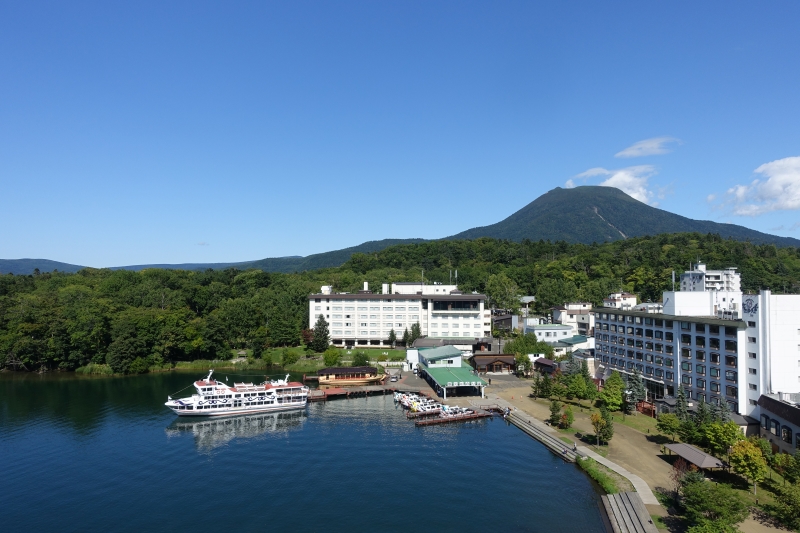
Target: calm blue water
104, 454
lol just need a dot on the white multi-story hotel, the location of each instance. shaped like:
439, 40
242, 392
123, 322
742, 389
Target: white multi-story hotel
366, 318
721, 345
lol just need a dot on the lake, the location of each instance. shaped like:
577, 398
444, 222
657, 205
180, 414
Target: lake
85, 453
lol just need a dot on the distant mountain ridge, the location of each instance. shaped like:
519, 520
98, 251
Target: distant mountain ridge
581, 215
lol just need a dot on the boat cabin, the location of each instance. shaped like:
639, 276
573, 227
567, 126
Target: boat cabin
348, 372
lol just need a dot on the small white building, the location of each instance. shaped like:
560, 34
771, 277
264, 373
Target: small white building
620, 300
550, 332
578, 315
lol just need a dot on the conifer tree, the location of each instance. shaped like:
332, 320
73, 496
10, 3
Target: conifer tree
608, 429
392, 337
406, 337
416, 332
321, 339
638, 391
681, 405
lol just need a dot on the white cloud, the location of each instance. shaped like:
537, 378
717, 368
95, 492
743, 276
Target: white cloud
654, 146
780, 191
711, 197
631, 180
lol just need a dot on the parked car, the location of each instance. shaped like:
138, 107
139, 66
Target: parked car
393, 378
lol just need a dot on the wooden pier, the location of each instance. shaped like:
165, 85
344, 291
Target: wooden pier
626, 513
455, 418
422, 414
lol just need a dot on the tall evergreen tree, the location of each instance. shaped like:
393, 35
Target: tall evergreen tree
681, 405
572, 367
638, 390
321, 339
416, 332
406, 337
608, 429
392, 337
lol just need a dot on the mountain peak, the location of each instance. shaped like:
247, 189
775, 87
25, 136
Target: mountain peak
594, 213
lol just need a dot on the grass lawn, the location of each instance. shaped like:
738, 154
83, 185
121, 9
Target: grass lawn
639, 422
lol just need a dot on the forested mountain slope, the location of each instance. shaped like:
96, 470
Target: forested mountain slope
162, 316
28, 266
599, 214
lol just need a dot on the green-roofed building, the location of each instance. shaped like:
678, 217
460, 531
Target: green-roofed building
443, 367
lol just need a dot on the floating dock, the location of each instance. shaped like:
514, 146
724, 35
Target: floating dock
455, 418
422, 414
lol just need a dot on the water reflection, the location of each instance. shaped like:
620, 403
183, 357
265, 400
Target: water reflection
210, 433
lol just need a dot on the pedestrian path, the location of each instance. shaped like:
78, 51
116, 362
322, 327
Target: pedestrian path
549, 435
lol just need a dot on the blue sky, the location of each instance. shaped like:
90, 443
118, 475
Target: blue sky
170, 132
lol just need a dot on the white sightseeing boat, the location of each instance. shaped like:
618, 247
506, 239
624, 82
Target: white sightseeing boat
215, 398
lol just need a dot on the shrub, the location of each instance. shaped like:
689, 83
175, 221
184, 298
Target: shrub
138, 366
332, 356
360, 358
555, 412
787, 506
288, 357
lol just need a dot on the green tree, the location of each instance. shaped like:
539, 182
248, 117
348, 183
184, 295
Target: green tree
576, 387
555, 412
783, 463
669, 424
638, 391
598, 423
360, 358
528, 344
713, 502
787, 506
503, 293
321, 338
720, 437
611, 394
608, 428
332, 357
406, 337
416, 332
289, 357
524, 364
567, 418
536, 387
392, 337
747, 460
546, 388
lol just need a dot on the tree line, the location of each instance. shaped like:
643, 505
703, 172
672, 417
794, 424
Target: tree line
158, 317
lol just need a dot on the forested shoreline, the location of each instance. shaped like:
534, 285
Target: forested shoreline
59, 321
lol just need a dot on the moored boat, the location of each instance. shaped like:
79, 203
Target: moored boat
215, 398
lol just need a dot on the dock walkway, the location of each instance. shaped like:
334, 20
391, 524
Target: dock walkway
627, 513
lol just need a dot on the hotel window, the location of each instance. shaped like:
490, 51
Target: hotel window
730, 346
362, 316
648, 333
659, 360
399, 308
648, 370
373, 324
751, 339
317, 308
387, 308
337, 332
363, 324
659, 348
414, 317
714, 386
349, 308
630, 365
752, 386
659, 335
714, 357
348, 324
730, 375
362, 308
639, 332
445, 333
639, 367
669, 375
700, 355
659, 373
714, 330
630, 331
751, 371
686, 353
686, 326
373, 317
752, 402
686, 366
713, 344
337, 324
648, 357
686, 380
374, 308
658, 322
668, 336
399, 324
639, 356
701, 383
363, 332
337, 308
639, 344
730, 331
669, 363
731, 391
751, 324
700, 328
700, 342
434, 333
388, 317
629, 342
700, 369
686, 339
714, 372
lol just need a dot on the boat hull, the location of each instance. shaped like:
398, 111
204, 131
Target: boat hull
239, 410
